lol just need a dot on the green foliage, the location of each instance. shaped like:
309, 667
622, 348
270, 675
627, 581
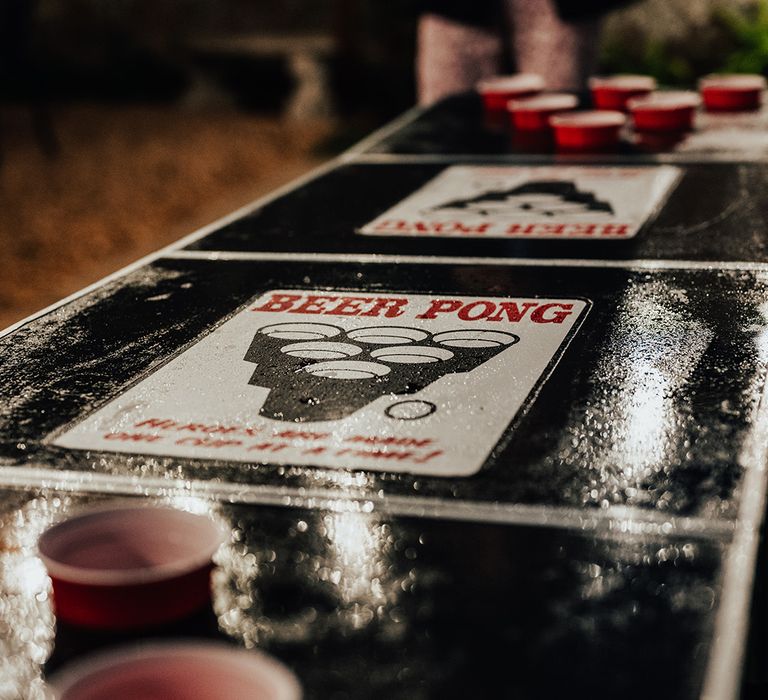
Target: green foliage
663, 61
748, 30
735, 41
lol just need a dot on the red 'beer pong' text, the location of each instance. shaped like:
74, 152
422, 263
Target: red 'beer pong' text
494, 310
534, 230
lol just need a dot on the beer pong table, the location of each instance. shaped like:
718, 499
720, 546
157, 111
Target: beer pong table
483, 422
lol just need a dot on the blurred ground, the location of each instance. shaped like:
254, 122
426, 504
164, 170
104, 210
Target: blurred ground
126, 181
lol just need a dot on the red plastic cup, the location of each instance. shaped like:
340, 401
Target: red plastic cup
732, 93
612, 92
587, 131
533, 113
498, 90
130, 567
176, 671
664, 111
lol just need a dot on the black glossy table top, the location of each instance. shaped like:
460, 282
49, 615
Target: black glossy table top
364, 605
561, 499
715, 213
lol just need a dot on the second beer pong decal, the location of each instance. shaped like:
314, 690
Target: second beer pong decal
414, 383
565, 202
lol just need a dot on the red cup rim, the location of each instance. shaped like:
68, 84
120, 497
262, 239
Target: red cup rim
661, 101
592, 119
622, 82
543, 103
519, 82
207, 535
732, 81
281, 680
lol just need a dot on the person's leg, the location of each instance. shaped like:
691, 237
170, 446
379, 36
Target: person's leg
452, 56
563, 53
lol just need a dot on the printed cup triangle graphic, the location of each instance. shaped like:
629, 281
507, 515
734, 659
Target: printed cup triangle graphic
565, 202
418, 383
540, 197
304, 364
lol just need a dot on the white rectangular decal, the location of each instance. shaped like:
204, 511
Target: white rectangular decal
565, 202
390, 382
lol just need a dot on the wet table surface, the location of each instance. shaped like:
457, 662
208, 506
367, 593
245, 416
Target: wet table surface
449, 465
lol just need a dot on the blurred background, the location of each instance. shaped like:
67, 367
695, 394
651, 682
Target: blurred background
125, 124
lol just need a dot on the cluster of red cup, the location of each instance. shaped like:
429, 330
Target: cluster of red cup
538, 117
129, 568
651, 111
529, 112
675, 110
